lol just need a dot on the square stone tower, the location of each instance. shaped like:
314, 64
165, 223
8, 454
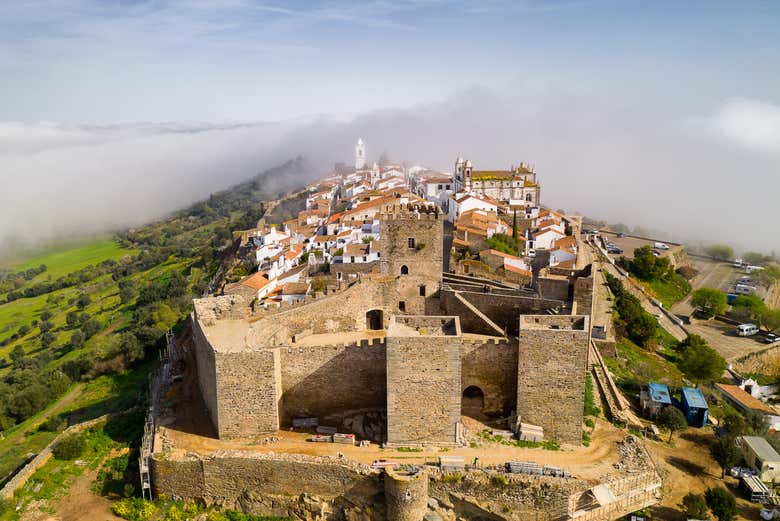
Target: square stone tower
423, 381
552, 362
412, 252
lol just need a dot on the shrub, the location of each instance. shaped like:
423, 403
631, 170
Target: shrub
499, 480
135, 509
722, 503
70, 447
695, 506
53, 424
453, 477
590, 423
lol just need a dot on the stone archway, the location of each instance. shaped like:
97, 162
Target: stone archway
473, 402
374, 319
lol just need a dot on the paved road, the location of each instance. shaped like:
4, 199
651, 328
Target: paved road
673, 328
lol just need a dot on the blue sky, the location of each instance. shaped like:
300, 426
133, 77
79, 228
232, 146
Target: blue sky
654, 113
236, 60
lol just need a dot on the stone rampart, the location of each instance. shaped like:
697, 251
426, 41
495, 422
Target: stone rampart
248, 392
552, 362
207, 370
499, 307
271, 484
423, 389
327, 488
324, 380
492, 367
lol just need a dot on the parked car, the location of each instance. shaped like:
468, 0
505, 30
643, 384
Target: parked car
532, 252
614, 249
661, 246
771, 338
621, 235
740, 472
747, 329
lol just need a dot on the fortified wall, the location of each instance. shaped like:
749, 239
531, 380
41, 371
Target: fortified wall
553, 357
308, 487
330, 488
423, 360
401, 345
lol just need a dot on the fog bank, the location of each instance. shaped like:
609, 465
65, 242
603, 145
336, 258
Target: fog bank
711, 175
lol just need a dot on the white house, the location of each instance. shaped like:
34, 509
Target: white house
462, 203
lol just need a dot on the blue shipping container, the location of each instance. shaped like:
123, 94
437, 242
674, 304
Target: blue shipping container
694, 406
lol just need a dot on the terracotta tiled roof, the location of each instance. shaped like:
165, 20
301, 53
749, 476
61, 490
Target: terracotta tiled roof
256, 281
514, 269
745, 399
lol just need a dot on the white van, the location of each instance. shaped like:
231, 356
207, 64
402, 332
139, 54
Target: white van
661, 246
747, 329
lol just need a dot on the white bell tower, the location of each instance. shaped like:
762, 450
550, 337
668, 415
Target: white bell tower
360, 155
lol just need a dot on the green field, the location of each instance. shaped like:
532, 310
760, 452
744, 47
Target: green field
64, 259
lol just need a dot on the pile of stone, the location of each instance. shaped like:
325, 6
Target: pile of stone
633, 457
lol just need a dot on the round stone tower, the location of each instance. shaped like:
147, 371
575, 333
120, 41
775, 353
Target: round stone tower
406, 493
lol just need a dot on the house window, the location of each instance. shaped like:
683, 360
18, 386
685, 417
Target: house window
404, 270
352, 259
410, 242
401, 305
527, 197
338, 275
422, 290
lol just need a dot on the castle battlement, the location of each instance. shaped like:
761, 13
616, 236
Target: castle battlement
419, 211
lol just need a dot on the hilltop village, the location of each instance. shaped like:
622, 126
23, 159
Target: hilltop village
394, 342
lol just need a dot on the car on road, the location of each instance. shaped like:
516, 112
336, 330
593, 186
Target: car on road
614, 249
771, 338
621, 235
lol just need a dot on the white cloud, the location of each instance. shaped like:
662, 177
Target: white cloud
753, 124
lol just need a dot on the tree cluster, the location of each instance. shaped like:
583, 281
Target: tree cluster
636, 323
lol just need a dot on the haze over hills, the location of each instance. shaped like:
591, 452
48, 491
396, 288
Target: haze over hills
602, 160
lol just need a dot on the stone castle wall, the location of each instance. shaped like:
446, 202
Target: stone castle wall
207, 370
266, 484
340, 312
552, 362
493, 368
423, 390
248, 392
306, 487
501, 309
323, 380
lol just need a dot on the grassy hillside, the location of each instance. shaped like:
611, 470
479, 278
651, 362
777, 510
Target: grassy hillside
78, 338
64, 260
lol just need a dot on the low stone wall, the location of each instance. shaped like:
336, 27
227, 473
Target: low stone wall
326, 488
43, 457
272, 484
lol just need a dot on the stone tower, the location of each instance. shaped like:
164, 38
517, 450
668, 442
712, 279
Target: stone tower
552, 362
360, 155
412, 253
